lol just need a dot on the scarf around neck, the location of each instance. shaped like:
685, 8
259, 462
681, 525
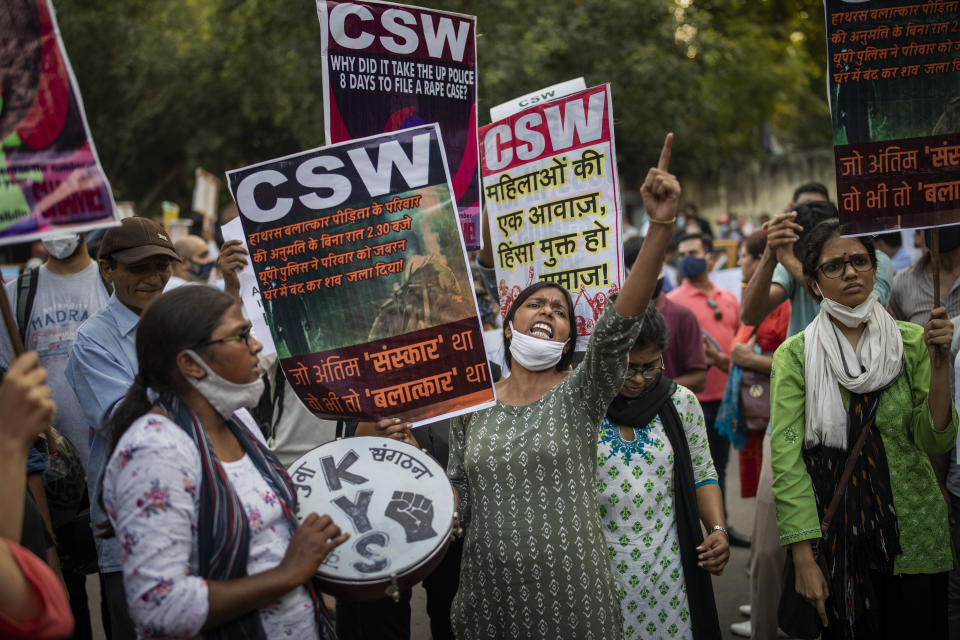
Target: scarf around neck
830, 362
223, 530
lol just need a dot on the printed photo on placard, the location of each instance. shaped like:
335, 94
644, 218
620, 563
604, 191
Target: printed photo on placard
363, 277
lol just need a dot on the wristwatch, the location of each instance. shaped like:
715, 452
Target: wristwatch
720, 528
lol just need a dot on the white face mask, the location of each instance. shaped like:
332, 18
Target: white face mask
850, 317
61, 245
535, 354
224, 396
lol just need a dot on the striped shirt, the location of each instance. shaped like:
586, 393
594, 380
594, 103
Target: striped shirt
912, 295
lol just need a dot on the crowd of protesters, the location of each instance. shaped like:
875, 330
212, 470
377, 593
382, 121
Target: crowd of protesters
145, 440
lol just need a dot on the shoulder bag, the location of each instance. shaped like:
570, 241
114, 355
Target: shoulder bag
795, 615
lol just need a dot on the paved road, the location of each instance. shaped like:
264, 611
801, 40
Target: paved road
731, 589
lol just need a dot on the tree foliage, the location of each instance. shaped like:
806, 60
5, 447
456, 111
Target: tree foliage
172, 85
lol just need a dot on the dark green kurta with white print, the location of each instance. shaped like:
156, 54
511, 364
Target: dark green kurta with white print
534, 561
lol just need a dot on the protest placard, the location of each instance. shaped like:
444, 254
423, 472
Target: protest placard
553, 92
50, 176
250, 290
364, 280
551, 191
390, 66
895, 100
206, 192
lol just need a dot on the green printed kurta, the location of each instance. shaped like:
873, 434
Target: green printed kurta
534, 559
906, 428
637, 502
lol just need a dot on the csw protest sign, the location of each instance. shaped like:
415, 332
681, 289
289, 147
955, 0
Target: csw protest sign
364, 281
551, 191
894, 83
391, 66
50, 176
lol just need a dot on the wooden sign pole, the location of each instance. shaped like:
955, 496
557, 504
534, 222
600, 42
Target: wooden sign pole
935, 264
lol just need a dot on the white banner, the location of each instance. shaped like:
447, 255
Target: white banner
553, 92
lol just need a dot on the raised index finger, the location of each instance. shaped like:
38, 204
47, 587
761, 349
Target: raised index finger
664, 162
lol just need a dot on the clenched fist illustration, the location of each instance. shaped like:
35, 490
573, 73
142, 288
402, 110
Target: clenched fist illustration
414, 512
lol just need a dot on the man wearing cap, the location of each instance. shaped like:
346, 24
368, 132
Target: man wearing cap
135, 258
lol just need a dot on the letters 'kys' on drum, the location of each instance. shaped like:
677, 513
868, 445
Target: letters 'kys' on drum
393, 499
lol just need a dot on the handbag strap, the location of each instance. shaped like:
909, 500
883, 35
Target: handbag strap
845, 478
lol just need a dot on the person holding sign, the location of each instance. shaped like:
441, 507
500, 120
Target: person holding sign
524, 469
858, 390
204, 512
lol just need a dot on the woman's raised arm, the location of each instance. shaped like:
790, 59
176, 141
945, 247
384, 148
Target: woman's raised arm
661, 195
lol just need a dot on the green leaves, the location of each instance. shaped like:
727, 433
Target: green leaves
169, 86
172, 85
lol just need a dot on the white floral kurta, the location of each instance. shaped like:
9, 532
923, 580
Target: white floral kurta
150, 490
635, 484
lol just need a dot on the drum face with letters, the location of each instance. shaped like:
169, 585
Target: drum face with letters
394, 500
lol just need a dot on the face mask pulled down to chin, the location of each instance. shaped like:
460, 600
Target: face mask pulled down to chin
224, 396
535, 354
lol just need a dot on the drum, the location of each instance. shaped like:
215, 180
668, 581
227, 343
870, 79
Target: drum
393, 499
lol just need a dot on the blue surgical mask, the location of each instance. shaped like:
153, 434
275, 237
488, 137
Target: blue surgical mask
691, 267
201, 272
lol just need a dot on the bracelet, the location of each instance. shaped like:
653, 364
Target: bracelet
720, 528
671, 221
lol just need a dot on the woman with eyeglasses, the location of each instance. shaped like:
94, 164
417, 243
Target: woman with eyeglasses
856, 371
205, 514
656, 484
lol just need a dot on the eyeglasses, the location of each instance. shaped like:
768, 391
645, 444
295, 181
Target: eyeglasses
717, 314
835, 268
243, 335
648, 373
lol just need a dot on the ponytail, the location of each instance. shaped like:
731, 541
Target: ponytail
134, 404
177, 320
